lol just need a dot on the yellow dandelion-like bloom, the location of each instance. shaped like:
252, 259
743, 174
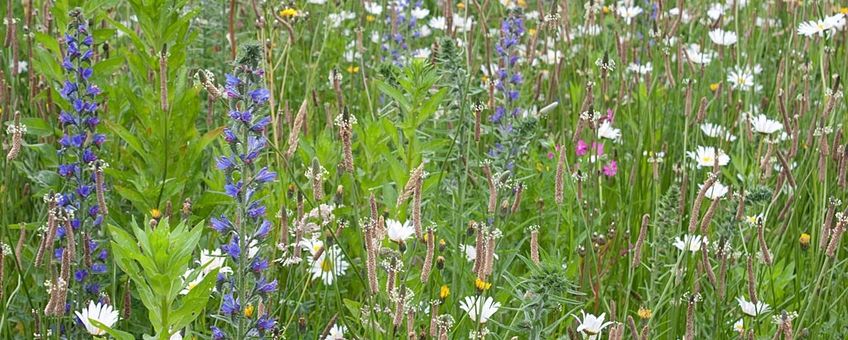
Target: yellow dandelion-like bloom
369, 18
531, 31
248, 310
714, 87
155, 213
460, 5
444, 292
606, 9
482, 285
804, 240
644, 313
352, 69
288, 12
844, 10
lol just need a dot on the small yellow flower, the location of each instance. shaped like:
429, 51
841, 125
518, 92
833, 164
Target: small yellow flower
288, 12
714, 87
804, 240
352, 69
444, 292
606, 9
752, 220
844, 10
248, 311
644, 313
369, 18
531, 31
155, 213
460, 5
482, 285
522, 3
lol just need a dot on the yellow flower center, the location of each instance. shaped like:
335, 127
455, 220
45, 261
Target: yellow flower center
327, 265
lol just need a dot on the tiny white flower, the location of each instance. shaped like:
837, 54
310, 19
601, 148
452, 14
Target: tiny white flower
741, 78
717, 131
739, 326
640, 69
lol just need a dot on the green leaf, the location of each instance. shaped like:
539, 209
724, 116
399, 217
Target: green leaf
120, 335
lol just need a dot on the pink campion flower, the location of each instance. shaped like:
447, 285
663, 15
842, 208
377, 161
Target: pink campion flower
610, 115
599, 148
581, 148
610, 169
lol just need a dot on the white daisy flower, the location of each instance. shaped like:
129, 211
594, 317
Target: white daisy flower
722, 37
753, 309
479, 310
764, 125
592, 325
420, 13
438, 23
640, 69
717, 131
716, 191
691, 243
103, 313
705, 156
330, 265
741, 78
373, 8
607, 131
336, 333
399, 232
628, 13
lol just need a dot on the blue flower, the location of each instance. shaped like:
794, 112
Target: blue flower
217, 333
263, 230
265, 324
98, 268
256, 210
260, 95
224, 163
264, 176
258, 265
232, 248
80, 275
233, 190
229, 305
265, 287
221, 225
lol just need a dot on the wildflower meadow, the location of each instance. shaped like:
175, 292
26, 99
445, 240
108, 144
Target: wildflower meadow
423, 169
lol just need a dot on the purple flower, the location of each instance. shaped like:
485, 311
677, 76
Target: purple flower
233, 190
260, 95
263, 230
98, 268
217, 333
258, 265
221, 225
265, 287
265, 323
256, 210
232, 248
80, 275
264, 176
229, 305
225, 163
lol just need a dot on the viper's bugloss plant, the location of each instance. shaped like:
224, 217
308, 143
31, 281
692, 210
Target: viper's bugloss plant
245, 229
77, 212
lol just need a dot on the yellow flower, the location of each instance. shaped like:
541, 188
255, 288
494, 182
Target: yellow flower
714, 87
155, 213
844, 10
460, 5
444, 292
606, 9
248, 310
804, 240
288, 12
369, 18
482, 285
644, 313
352, 69
531, 31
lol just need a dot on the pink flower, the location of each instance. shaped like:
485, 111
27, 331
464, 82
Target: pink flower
599, 148
581, 148
610, 169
